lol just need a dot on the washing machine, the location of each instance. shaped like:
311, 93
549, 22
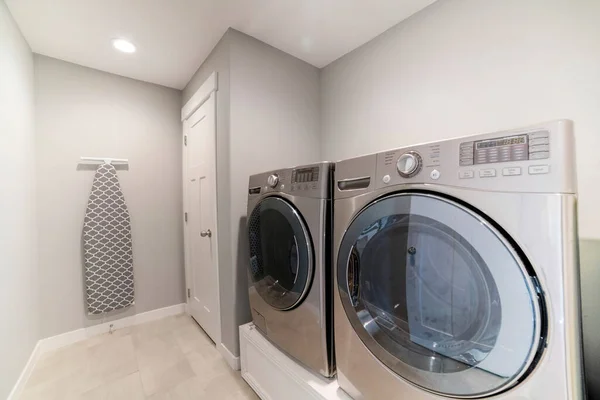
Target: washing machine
290, 276
457, 269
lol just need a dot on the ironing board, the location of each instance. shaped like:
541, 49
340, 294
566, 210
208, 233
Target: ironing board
107, 247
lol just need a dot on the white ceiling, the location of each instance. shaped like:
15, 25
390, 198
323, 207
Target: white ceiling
174, 37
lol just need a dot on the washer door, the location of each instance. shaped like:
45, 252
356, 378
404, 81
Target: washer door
438, 295
281, 255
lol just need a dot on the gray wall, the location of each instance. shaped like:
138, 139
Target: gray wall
274, 124
273, 116
589, 253
84, 112
18, 268
462, 67
218, 61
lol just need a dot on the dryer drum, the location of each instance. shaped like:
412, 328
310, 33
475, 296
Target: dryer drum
281, 256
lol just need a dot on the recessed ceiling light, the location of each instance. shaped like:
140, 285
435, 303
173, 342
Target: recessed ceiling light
123, 45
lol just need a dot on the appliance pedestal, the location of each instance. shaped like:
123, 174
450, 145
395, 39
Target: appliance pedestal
273, 375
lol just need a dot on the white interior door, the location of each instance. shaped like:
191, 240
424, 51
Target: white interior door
201, 218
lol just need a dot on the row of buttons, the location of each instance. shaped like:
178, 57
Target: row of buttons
303, 186
536, 148
539, 145
435, 175
501, 154
510, 171
466, 153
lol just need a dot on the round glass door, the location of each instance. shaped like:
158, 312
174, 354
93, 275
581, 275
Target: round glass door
438, 295
281, 255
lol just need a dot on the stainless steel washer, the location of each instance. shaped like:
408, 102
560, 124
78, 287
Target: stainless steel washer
457, 271
289, 232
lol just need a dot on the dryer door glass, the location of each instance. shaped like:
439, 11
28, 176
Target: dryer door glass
281, 255
439, 296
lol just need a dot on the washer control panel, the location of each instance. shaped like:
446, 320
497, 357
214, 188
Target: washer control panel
530, 146
535, 159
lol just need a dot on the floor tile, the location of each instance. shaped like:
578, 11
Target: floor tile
191, 337
169, 359
159, 396
126, 388
113, 359
159, 378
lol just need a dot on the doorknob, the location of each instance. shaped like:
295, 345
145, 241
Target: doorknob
206, 233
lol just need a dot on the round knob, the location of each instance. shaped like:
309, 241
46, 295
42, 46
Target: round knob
206, 233
409, 164
273, 180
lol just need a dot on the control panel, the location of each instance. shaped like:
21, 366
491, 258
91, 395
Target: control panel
530, 146
306, 181
536, 159
305, 178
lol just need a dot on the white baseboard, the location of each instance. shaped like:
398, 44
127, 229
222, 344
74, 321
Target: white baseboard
233, 361
26, 373
65, 339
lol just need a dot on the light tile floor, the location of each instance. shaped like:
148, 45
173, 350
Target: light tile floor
169, 359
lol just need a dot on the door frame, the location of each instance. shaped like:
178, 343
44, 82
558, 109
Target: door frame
203, 94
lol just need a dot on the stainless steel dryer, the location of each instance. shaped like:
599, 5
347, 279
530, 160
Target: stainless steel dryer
457, 269
289, 223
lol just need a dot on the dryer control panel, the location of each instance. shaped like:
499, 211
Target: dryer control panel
304, 181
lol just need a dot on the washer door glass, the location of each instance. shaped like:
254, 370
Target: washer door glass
281, 255
438, 295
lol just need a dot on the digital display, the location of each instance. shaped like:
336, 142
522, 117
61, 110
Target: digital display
507, 141
303, 175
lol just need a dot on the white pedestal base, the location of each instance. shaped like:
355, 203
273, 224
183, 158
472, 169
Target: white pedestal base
275, 376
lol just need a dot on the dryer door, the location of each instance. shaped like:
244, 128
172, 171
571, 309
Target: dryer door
281, 254
437, 294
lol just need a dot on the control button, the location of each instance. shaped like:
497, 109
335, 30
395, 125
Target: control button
409, 164
468, 174
539, 155
487, 173
282, 187
538, 169
511, 171
540, 147
273, 180
535, 142
386, 179
537, 135
466, 161
435, 174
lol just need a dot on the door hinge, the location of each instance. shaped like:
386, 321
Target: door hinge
185, 140
188, 293
185, 216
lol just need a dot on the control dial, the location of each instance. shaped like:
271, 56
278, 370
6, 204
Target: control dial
409, 164
273, 180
